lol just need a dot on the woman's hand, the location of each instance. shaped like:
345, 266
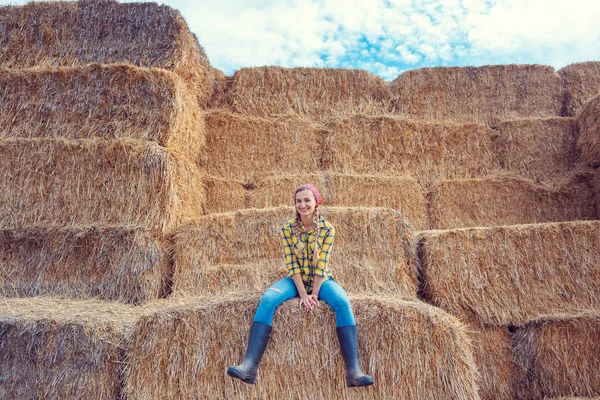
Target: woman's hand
308, 302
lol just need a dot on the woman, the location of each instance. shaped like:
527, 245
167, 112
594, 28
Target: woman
307, 241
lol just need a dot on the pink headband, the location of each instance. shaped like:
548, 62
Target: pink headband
314, 191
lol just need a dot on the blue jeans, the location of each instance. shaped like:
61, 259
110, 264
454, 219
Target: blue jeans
285, 289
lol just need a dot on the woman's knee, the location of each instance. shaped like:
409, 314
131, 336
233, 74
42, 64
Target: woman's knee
271, 298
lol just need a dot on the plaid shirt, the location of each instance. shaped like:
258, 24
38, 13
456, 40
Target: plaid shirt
305, 264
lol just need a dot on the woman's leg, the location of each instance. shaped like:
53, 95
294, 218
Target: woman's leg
273, 297
261, 329
334, 295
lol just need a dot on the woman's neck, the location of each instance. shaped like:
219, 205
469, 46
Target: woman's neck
308, 222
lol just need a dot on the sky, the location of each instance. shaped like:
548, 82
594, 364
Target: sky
388, 37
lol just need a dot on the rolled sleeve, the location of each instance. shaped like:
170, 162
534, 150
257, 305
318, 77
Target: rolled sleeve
289, 256
323, 262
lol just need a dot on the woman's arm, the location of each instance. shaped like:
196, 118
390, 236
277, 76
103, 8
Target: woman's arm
316, 288
306, 301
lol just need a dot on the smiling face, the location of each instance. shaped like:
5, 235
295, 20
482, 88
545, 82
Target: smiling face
305, 203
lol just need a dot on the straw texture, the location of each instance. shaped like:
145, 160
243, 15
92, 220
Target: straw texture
429, 151
403, 194
101, 101
62, 349
68, 34
249, 148
123, 264
493, 357
374, 251
581, 82
485, 94
410, 348
511, 275
223, 195
505, 199
559, 356
94, 181
538, 148
318, 93
589, 138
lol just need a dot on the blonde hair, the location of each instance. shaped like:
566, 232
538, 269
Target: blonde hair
298, 228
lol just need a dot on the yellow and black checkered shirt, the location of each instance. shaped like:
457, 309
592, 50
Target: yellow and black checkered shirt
304, 265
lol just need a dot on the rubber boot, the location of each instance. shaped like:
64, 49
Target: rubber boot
348, 339
248, 369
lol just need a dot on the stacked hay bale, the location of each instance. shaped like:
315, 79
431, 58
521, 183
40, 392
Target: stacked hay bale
317, 93
63, 349
241, 251
589, 142
580, 82
496, 279
480, 94
413, 350
97, 154
72, 34
101, 135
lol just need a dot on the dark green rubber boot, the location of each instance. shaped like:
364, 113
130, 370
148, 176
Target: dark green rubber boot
248, 369
348, 339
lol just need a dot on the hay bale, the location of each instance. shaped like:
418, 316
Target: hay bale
62, 349
101, 101
559, 356
492, 355
596, 186
537, 148
219, 94
580, 82
122, 264
414, 351
317, 93
374, 251
429, 151
94, 181
403, 194
223, 195
511, 275
69, 34
589, 137
249, 148
485, 94
504, 199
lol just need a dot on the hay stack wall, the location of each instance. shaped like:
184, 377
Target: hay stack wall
414, 351
402, 194
506, 199
537, 148
101, 101
63, 349
249, 148
69, 34
317, 93
589, 137
394, 146
511, 275
480, 94
559, 356
581, 82
121, 264
89, 181
241, 251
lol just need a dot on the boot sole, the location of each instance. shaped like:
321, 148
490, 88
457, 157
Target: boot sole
361, 383
234, 373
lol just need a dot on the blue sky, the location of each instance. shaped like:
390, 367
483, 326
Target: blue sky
387, 37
